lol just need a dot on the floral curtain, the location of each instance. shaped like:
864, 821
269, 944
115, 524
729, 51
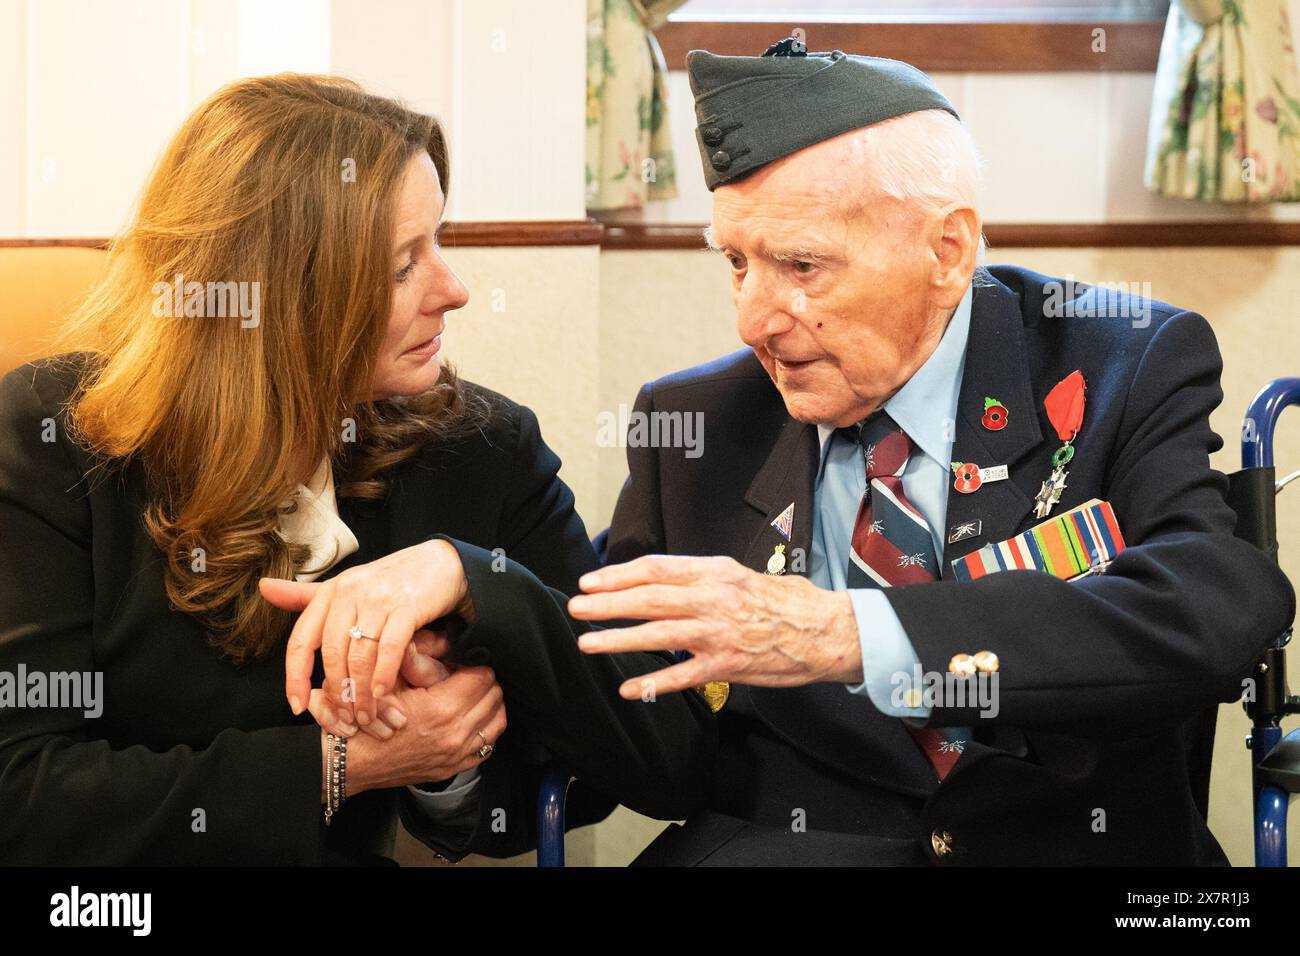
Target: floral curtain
1226, 110
629, 152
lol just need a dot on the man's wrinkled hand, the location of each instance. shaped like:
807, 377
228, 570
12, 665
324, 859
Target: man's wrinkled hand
738, 625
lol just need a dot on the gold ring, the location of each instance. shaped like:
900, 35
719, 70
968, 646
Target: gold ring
486, 750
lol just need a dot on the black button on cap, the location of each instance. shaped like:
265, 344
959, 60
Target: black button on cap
712, 136
721, 159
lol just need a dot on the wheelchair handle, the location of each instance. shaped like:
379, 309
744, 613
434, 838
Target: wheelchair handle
1261, 420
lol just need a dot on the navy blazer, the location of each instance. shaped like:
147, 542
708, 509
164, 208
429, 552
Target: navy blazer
1108, 685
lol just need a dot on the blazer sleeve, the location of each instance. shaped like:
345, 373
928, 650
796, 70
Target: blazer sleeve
1179, 617
653, 756
68, 797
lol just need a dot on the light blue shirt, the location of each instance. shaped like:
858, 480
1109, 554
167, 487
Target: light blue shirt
444, 803
925, 408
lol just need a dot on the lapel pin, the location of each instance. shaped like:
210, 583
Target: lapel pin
776, 563
995, 415
784, 522
970, 476
715, 694
965, 530
784, 525
1064, 404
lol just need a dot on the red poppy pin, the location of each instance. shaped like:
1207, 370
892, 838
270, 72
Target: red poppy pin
995, 415
968, 476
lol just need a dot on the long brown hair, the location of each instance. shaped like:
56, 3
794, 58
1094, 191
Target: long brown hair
290, 182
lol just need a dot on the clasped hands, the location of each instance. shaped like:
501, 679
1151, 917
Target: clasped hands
413, 717
426, 721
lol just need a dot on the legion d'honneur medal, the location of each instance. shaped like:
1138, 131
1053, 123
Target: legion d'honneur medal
1064, 404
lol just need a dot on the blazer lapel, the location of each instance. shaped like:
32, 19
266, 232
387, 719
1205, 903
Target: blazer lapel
785, 479
995, 367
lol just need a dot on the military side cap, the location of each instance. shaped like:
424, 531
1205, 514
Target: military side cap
753, 110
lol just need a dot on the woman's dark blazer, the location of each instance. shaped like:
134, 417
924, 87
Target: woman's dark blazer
193, 760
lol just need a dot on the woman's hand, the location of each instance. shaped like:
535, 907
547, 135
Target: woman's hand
387, 599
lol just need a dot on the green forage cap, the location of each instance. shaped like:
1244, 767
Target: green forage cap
753, 110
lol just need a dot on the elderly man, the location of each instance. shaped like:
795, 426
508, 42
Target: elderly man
901, 674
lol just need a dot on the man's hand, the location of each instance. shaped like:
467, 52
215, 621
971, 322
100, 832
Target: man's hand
446, 726
422, 666
739, 625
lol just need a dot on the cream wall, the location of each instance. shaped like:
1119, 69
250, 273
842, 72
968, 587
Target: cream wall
529, 330
86, 111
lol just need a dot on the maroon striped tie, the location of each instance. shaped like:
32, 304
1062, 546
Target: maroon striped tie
892, 545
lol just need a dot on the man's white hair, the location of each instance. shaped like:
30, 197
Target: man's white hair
927, 158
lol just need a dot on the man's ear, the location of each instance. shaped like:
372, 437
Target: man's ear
955, 242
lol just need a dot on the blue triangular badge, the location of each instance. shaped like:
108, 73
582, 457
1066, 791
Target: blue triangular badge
784, 521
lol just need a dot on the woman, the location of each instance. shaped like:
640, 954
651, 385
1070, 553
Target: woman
256, 393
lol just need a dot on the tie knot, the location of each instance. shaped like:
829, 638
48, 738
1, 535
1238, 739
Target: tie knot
885, 446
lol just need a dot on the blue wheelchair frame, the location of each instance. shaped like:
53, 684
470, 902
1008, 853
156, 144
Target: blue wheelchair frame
550, 817
1276, 770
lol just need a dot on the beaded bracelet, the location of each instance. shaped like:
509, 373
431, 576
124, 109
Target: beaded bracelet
336, 768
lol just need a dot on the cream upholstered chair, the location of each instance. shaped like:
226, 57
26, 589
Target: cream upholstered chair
39, 287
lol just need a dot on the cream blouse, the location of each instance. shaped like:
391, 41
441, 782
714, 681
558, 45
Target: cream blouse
317, 524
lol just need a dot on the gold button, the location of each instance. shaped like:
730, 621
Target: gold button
986, 661
963, 665
912, 697
942, 842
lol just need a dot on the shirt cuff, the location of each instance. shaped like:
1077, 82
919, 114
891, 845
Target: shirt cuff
462, 789
890, 666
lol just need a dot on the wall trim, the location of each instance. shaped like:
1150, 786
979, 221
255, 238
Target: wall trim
668, 236
577, 232
1131, 46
